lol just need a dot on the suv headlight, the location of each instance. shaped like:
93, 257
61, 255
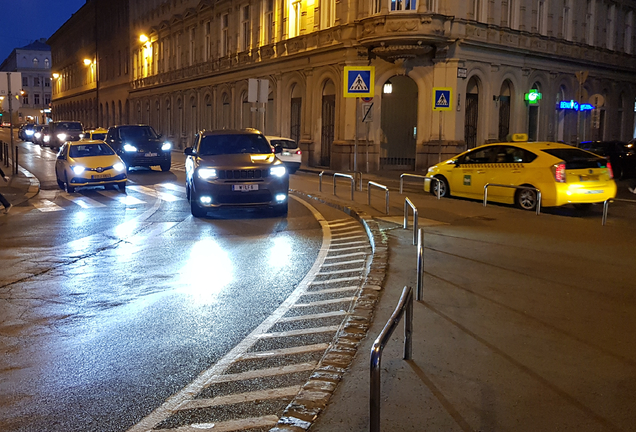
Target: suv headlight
61, 137
206, 173
78, 169
277, 171
130, 148
166, 146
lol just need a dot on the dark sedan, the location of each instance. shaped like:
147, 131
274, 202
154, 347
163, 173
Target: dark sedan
621, 155
140, 146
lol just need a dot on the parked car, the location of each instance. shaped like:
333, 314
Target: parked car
140, 145
622, 156
89, 163
63, 131
290, 154
564, 174
234, 168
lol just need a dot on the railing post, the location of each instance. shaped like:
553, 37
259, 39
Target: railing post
420, 265
408, 203
353, 187
15, 162
605, 206
320, 181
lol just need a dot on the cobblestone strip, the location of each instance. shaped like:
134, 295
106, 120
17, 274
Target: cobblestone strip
304, 409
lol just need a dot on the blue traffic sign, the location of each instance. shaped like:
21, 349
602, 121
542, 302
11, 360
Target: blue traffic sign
359, 81
442, 99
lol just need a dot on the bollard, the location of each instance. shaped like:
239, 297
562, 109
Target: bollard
15, 162
420, 265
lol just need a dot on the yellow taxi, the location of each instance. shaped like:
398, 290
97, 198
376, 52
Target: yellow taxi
89, 163
95, 134
564, 174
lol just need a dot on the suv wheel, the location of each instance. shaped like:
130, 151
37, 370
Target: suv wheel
196, 211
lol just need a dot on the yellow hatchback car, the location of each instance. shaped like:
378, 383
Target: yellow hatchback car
98, 134
89, 163
564, 174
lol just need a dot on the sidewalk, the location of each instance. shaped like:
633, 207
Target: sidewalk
517, 331
21, 187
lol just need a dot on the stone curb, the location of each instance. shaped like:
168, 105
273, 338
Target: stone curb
313, 398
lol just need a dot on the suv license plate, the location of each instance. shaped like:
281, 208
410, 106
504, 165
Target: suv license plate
245, 188
150, 154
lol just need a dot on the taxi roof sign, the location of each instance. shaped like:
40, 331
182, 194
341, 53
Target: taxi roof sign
359, 81
519, 137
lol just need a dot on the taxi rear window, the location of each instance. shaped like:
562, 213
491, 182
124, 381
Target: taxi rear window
577, 159
286, 144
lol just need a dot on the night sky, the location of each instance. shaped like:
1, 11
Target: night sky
24, 21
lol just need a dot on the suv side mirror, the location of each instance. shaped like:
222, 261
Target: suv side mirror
189, 151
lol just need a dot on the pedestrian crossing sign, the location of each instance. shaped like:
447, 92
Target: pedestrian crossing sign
442, 99
359, 81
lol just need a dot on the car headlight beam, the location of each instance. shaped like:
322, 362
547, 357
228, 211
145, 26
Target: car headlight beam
78, 169
119, 166
130, 148
278, 171
61, 137
206, 173
166, 146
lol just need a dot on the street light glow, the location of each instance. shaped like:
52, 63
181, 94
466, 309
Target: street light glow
143, 38
87, 61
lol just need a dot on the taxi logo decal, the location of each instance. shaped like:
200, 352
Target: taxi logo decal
467, 180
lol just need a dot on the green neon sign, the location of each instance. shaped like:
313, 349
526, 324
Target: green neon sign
533, 97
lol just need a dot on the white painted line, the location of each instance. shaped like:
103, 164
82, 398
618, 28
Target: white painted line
325, 302
153, 193
173, 187
300, 332
347, 255
334, 290
341, 271
227, 426
208, 376
349, 243
348, 238
257, 355
277, 393
262, 373
46, 206
337, 280
82, 201
125, 199
342, 230
314, 316
344, 263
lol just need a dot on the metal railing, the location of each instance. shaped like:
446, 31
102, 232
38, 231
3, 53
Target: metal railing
4, 157
350, 177
439, 191
407, 204
538, 207
378, 185
404, 306
606, 205
356, 175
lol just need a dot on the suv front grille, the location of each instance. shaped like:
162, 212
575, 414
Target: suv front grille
243, 174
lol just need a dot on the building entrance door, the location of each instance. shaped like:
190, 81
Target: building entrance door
399, 124
328, 123
470, 128
296, 105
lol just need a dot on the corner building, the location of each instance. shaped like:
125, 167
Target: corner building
512, 66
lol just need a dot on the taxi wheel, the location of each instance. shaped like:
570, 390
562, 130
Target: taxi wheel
122, 187
526, 199
444, 188
68, 187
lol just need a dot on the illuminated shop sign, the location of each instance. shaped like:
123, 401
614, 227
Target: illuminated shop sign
533, 97
575, 106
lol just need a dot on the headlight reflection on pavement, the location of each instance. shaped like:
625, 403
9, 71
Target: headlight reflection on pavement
207, 271
280, 252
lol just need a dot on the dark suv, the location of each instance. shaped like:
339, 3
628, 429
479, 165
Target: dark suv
234, 168
62, 131
140, 145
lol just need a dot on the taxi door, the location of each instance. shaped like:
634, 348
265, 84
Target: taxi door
471, 172
508, 168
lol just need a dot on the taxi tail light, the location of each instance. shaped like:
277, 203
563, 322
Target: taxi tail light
298, 152
558, 171
610, 170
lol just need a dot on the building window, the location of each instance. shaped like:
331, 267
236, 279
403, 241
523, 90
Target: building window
566, 29
25, 100
629, 23
268, 22
47, 63
376, 6
246, 32
36, 99
47, 82
207, 50
431, 5
327, 13
403, 5
590, 18
610, 28
47, 99
294, 19
36, 81
225, 37
542, 19
25, 81
35, 62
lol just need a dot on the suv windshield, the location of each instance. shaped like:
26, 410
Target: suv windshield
68, 126
233, 144
577, 159
133, 132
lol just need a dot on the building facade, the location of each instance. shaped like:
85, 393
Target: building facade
509, 66
34, 64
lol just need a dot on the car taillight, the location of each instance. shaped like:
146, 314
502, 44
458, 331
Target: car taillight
299, 152
610, 170
559, 172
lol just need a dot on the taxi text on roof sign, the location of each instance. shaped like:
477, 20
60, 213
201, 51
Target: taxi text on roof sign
519, 137
359, 81
442, 98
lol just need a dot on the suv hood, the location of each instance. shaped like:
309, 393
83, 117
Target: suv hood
243, 160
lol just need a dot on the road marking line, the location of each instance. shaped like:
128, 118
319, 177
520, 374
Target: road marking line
262, 373
334, 290
300, 332
347, 255
344, 263
349, 248
241, 398
155, 194
173, 187
341, 271
343, 224
282, 352
351, 243
337, 280
325, 302
349, 238
46, 206
227, 426
126, 199
314, 316
82, 201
